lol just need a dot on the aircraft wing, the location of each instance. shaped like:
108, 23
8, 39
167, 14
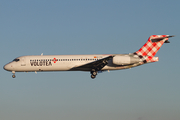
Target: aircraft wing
97, 65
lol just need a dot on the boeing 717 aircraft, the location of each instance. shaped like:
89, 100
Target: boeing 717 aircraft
92, 63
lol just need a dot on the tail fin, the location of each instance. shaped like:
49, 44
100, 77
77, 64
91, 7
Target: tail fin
150, 48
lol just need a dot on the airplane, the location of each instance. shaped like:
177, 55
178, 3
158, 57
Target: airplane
92, 63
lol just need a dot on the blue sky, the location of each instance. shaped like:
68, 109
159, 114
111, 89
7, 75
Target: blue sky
32, 27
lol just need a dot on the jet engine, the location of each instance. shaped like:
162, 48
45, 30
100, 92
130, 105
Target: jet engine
125, 60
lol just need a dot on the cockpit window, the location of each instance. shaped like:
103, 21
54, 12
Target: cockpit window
16, 60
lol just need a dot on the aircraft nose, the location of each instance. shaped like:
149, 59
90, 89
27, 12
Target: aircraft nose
8, 67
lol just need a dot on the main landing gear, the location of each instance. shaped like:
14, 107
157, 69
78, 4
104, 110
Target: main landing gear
13, 76
93, 73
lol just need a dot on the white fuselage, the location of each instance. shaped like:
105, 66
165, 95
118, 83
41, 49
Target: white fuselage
59, 63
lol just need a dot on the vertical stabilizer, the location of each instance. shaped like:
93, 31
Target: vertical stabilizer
151, 47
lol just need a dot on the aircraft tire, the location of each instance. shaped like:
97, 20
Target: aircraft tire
94, 73
93, 76
13, 76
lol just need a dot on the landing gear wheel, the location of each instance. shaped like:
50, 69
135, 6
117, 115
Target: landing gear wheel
94, 73
13, 76
13, 72
93, 76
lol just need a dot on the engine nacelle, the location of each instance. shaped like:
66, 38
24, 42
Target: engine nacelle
125, 60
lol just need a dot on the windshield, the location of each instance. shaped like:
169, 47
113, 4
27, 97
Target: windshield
16, 60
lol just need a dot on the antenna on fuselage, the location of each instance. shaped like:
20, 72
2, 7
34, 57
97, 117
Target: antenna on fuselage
41, 54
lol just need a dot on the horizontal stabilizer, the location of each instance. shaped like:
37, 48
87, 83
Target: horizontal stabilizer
153, 44
156, 39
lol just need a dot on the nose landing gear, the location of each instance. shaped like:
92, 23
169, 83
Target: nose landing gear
13, 76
